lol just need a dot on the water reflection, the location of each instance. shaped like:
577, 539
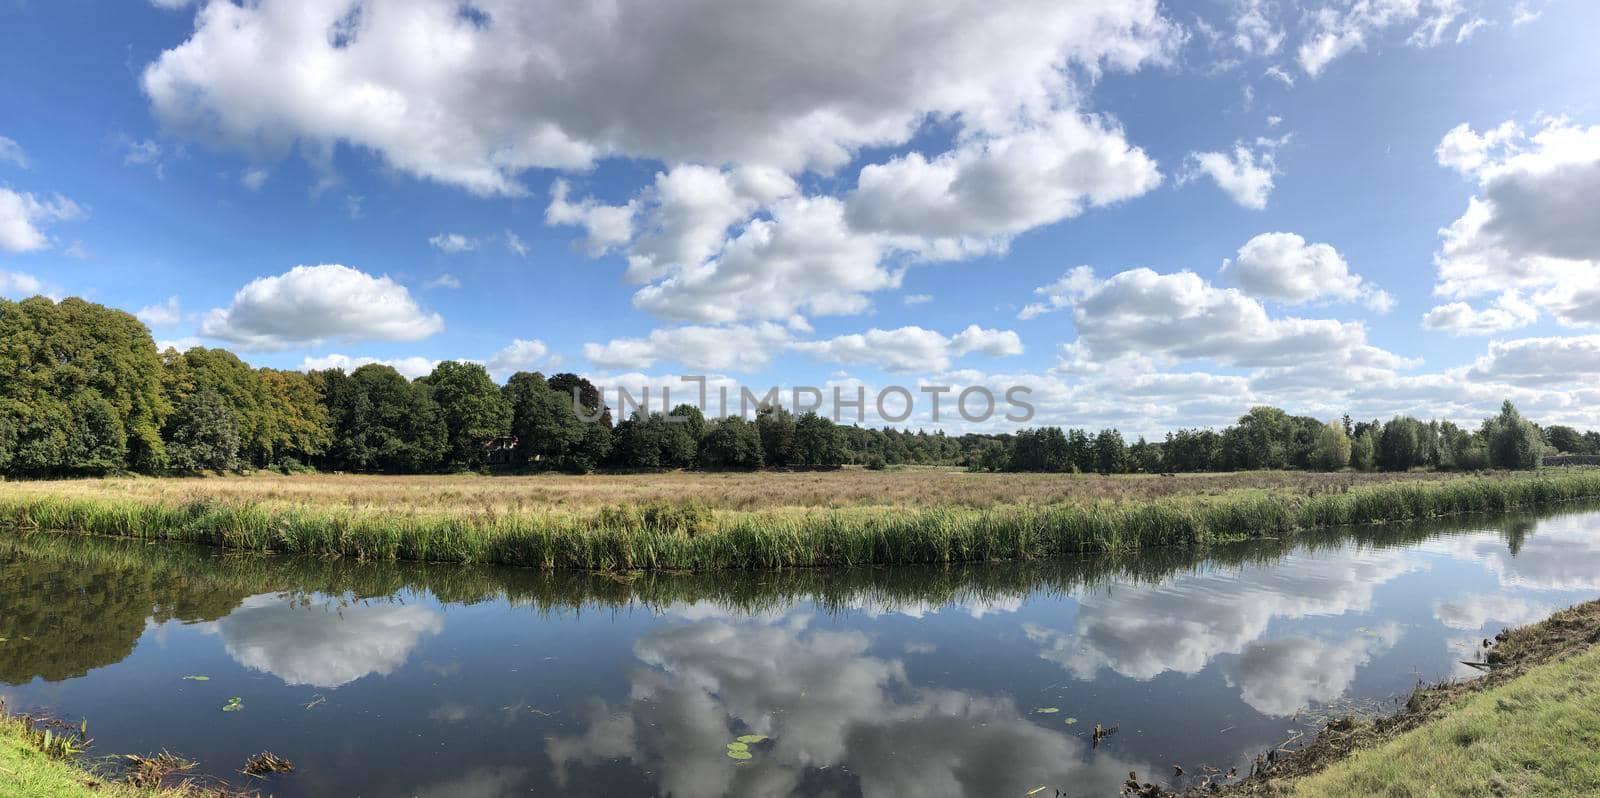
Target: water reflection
826, 703
324, 646
1142, 631
874, 681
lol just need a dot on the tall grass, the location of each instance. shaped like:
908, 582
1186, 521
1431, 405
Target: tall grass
668, 536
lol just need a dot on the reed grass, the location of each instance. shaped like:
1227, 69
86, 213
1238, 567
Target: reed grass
692, 536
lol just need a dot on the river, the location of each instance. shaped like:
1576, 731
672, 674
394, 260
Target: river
395, 679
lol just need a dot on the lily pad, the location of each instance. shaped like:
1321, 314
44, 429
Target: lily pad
1047, 710
737, 746
197, 678
233, 705
751, 739
1070, 721
739, 755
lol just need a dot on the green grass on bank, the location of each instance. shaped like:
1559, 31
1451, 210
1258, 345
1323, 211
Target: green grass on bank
1536, 735
25, 772
690, 536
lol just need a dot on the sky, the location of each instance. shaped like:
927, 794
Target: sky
1149, 215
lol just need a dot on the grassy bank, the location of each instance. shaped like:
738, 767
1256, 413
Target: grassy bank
1530, 727
696, 536
37, 766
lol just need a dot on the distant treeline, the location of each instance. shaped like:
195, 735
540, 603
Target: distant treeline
84, 391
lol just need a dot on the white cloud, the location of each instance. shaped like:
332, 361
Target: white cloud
308, 305
1509, 312
1541, 361
1000, 186
1530, 229
165, 314
917, 299
519, 355
20, 285
1254, 30
560, 85
913, 349
445, 280
11, 151
170, 4
516, 245
453, 242
1245, 175
737, 348
605, 226
1339, 29
1280, 677
409, 367
1284, 267
22, 216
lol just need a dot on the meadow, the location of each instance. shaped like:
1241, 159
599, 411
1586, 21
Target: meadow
767, 520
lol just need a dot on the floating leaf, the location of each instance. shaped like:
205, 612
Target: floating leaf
1035, 790
233, 705
736, 746
197, 678
739, 754
1047, 710
1070, 721
751, 739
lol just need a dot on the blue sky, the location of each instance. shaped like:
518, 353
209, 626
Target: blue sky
772, 194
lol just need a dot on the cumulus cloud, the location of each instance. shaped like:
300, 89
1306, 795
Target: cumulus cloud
1509, 312
1281, 677
1530, 227
1541, 361
1284, 267
519, 355
1003, 185
521, 85
409, 367
1181, 316
1245, 175
308, 305
165, 314
913, 349
453, 242
737, 348
23, 215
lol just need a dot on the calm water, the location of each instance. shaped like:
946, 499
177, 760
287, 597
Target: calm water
386, 679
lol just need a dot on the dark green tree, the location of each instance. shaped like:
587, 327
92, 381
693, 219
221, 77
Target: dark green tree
203, 435
473, 408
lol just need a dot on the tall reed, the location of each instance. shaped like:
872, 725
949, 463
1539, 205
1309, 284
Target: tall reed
666, 536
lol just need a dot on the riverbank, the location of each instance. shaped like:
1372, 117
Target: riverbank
1529, 726
694, 536
38, 767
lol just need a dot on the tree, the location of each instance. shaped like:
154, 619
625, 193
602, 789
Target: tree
1565, 439
817, 442
236, 384
300, 428
1399, 445
1110, 454
473, 409
681, 446
1260, 440
384, 422
203, 435
73, 376
1332, 451
1364, 449
776, 426
731, 443
1144, 457
1513, 441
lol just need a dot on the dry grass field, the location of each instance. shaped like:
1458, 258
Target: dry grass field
850, 487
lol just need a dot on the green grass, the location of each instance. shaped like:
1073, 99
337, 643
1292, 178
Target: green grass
26, 772
662, 535
1538, 734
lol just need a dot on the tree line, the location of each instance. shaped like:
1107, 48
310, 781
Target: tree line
84, 391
